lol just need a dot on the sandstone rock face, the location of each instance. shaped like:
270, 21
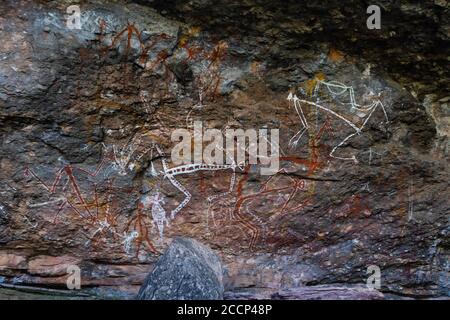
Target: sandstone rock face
51, 266
187, 271
10, 261
320, 292
87, 117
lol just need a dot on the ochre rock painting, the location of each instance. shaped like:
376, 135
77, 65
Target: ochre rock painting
87, 176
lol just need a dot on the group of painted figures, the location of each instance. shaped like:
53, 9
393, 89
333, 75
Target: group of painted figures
151, 206
323, 103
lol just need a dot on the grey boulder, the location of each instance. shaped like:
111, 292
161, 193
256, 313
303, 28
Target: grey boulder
188, 270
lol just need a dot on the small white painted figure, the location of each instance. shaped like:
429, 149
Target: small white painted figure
158, 212
153, 171
170, 174
126, 158
128, 240
296, 138
145, 98
371, 155
366, 187
336, 89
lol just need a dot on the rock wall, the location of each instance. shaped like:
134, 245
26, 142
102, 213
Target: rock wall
363, 117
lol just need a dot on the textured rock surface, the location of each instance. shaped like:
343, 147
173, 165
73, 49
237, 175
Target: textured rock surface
320, 292
82, 108
187, 271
